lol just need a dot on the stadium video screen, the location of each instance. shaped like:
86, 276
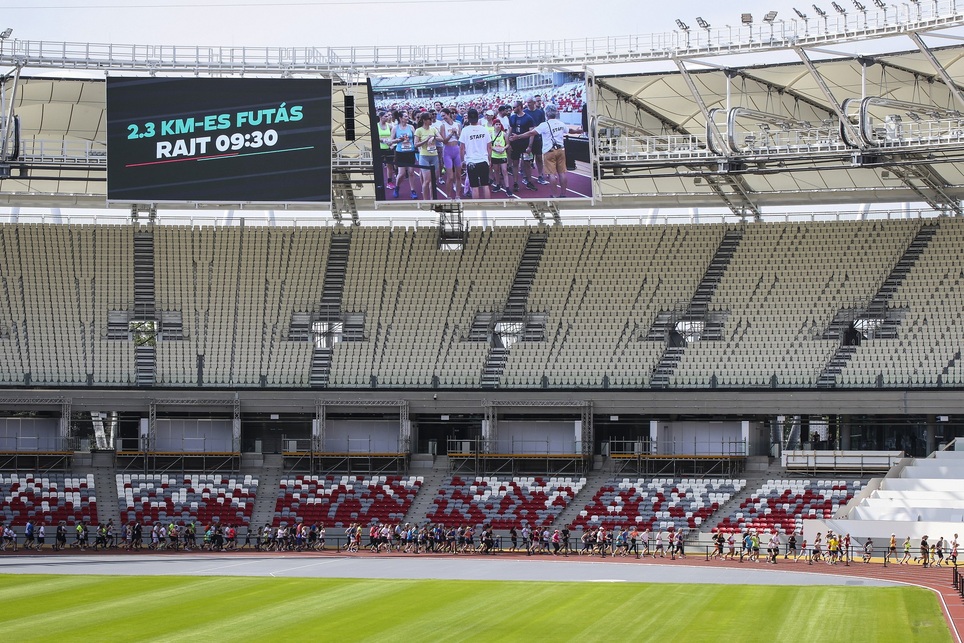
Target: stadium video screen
528, 142
225, 140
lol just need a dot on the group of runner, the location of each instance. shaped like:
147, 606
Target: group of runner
633, 542
929, 554
35, 536
830, 548
422, 539
171, 536
750, 543
747, 545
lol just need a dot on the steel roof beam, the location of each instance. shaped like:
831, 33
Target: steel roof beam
936, 186
797, 96
741, 189
643, 107
951, 85
852, 133
704, 110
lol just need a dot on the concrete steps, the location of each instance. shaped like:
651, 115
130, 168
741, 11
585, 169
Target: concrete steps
101, 466
434, 478
269, 476
594, 480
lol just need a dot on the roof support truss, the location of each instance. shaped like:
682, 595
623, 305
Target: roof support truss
738, 200
541, 209
951, 86
852, 133
712, 129
933, 191
795, 95
633, 100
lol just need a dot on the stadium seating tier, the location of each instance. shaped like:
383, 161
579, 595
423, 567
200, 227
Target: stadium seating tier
504, 502
784, 504
47, 498
204, 498
340, 500
600, 288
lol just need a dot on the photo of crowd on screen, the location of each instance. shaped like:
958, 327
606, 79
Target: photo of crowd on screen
426, 149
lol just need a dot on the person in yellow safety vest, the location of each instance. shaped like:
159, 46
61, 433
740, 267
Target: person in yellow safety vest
500, 159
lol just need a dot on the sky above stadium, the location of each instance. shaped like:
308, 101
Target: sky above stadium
359, 22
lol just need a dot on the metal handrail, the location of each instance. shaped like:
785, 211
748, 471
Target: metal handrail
952, 445
684, 43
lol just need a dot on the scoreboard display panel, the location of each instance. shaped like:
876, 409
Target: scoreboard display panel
528, 143
218, 140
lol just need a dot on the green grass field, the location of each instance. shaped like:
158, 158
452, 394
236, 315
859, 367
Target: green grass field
170, 608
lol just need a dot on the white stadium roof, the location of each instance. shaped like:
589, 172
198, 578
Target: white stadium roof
747, 120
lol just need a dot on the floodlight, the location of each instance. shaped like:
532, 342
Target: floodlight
859, 6
770, 17
820, 12
702, 23
747, 18
682, 25
880, 4
838, 8
800, 14
5, 33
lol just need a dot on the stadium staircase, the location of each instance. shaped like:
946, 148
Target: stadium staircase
594, 480
105, 485
145, 351
533, 325
754, 480
697, 312
887, 319
424, 502
332, 289
269, 482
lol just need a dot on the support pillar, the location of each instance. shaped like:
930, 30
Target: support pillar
65, 411
318, 430
236, 424
404, 429
931, 436
588, 432
845, 434
151, 427
490, 429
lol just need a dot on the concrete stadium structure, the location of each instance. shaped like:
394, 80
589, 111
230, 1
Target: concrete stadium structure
455, 343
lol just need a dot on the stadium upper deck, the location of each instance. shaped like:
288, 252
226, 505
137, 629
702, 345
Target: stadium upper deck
861, 304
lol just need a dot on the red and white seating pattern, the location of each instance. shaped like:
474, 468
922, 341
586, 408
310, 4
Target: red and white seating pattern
205, 498
504, 502
783, 504
47, 498
657, 503
338, 501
